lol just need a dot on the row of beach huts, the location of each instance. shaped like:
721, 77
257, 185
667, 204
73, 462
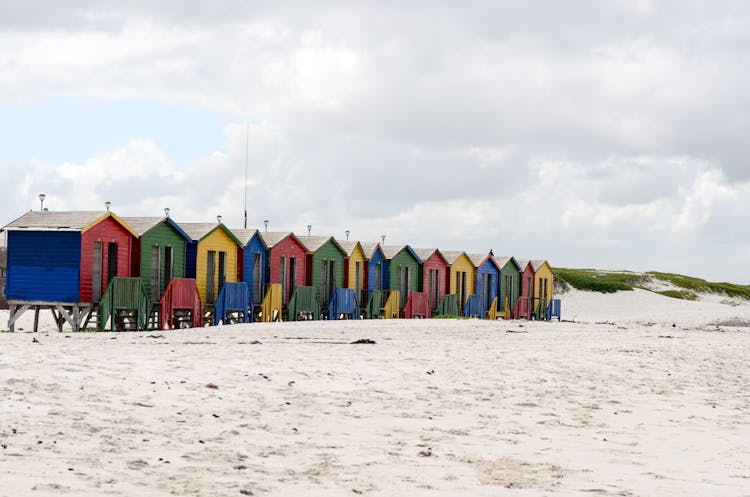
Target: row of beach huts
96, 270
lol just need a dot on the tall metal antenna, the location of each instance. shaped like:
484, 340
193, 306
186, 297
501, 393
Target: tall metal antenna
247, 155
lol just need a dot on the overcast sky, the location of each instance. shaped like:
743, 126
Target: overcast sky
608, 134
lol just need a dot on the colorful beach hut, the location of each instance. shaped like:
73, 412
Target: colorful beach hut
543, 280
63, 261
158, 253
461, 275
433, 275
509, 286
486, 278
211, 258
525, 303
253, 263
325, 265
284, 260
402, 270
354, 268
374, 274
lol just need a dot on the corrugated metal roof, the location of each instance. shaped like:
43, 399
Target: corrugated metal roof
313, 243
55, 220
349, 246
452, 255
273, 238
243, 235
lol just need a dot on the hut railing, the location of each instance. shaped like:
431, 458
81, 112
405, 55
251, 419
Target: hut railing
474, 307
344, 304
271, 307
234, 298
374, 305
448, 305
304, 304
417, 306
124, 294
392, 307
492, 311
181, 294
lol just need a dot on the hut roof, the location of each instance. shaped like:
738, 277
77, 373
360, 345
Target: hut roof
55, 220
369, 248
349, 246
391, 251
143, 225
451, 255
522, 263
503, 261
243, 235
62, 221
272, 238
538, 263
313, 243
199, 231
477, 259
426, 253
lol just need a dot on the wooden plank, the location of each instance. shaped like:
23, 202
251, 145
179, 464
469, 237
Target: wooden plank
67, 317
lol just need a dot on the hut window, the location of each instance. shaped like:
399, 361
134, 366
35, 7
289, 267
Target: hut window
378, 277
357, 277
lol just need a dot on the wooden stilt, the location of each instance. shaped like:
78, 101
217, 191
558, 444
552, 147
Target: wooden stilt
36, 318
16, 313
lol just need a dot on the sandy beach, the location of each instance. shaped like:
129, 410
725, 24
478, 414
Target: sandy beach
438, 407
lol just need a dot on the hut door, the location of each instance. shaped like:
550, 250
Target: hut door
292, 274
486, 290
168, 267
257, 283
331, 278
210, 273
111, 261
544, 298
378, 277
155, 266
463, 288
407, 289
357, 277
222, 269
323, 281
96, 275
282, 277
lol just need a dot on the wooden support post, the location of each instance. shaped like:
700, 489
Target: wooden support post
76, 318
12, 309
36, 318
67, 316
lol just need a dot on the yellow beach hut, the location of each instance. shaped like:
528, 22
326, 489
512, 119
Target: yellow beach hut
354, 267
461, 275
543, 280
211, 258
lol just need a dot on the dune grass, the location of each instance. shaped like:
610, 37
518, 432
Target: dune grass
598, 281
679, 294
699, 285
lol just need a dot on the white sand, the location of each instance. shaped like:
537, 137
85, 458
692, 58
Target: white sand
557, 409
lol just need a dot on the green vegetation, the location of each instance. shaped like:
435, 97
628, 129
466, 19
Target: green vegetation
598, 281
699, 285
679, 294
